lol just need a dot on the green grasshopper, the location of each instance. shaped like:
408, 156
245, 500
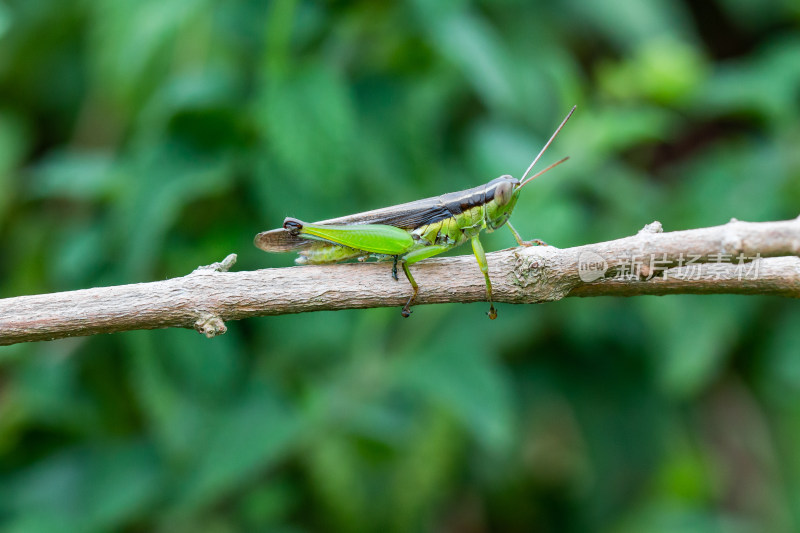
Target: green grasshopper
408, 233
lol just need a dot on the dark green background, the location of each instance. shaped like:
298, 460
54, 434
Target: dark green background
142, 138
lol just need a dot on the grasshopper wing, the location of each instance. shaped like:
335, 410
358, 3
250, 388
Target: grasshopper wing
405, 216
280, 240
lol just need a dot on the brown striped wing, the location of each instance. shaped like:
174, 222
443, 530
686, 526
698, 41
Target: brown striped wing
406, 216
280, 240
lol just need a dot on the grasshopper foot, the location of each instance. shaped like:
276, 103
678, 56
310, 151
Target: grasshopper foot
492, 313
406, 312
534, 242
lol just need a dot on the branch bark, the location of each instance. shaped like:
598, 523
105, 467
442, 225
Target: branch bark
737, 258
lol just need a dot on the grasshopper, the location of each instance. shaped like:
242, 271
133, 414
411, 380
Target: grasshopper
408, 233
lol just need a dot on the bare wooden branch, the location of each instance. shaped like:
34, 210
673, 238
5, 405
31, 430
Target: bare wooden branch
737, 257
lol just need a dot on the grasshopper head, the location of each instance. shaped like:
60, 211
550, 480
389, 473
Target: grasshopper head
502, 194
501, 197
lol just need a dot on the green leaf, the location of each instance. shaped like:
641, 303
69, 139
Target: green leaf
470, 385
94, 488
240, 443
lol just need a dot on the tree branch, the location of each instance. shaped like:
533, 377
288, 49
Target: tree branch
737, 257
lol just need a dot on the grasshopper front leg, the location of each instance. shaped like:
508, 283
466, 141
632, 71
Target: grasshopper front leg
524, 243
411, 258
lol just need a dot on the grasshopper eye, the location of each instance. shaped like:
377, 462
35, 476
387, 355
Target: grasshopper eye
502, 194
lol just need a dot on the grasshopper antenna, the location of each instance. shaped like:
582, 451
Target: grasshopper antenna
554, 165
523, 181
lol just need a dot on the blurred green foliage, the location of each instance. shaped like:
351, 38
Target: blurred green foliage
141, 138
